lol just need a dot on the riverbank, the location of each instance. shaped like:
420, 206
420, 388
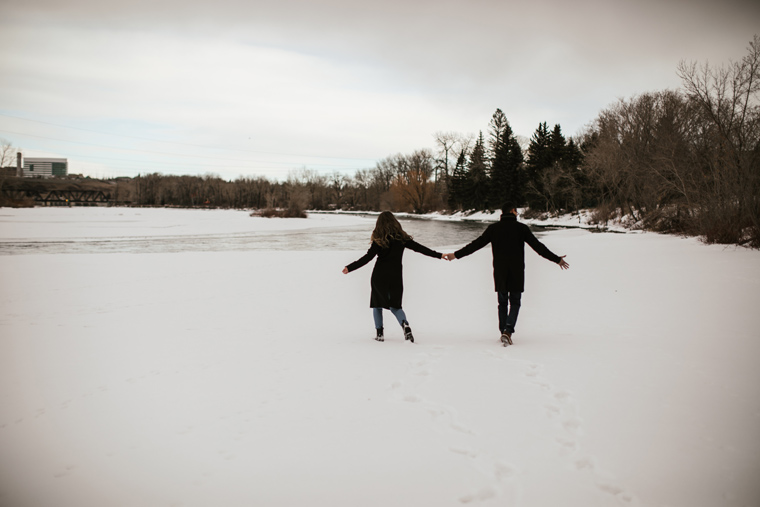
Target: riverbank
583, 219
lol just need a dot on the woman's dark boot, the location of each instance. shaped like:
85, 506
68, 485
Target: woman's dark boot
407, 331
379, 336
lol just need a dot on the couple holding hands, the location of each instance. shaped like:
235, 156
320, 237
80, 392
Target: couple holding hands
507, 238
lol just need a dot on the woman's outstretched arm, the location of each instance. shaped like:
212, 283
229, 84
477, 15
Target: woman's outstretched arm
364, 259
413, 245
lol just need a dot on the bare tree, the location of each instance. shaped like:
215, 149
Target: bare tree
7, 153
363, 182
446, 142
728, 98
641, 154
684, 161
412, 183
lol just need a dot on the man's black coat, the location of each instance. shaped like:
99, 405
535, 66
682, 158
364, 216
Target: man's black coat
508, 238
387, 276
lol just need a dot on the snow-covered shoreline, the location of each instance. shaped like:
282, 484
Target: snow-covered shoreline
579, 220
243, 378
582, 219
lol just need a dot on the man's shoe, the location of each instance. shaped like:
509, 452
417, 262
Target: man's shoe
379, 336
506, 338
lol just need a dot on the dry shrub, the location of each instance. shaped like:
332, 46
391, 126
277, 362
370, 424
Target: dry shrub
534, 214
296, 207
751, 237
279, 213
670, 219
604, 213
26, 202
724, 230
295, 213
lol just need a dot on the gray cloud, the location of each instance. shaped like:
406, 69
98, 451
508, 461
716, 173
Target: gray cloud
446, 65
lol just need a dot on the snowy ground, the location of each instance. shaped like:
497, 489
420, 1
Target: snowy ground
239, 378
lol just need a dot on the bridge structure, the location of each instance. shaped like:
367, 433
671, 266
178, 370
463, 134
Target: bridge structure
46, 194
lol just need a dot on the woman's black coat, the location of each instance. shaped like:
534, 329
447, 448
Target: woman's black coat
387, 276
508, 238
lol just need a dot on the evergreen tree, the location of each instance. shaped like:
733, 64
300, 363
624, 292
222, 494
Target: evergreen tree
538, 151
477, 182
581, 183
569, 182
499, 131
507, 179
458, 182
539, 159
573, 155
516, 180
557, 145
554, 179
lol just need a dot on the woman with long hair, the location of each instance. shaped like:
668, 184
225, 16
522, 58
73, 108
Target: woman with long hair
389, 240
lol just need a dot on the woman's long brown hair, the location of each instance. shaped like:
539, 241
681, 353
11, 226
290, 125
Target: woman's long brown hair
388, 228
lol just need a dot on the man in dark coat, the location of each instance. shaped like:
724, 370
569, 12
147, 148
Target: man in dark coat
508, 238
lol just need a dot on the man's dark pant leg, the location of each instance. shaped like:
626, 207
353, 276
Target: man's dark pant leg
509, 308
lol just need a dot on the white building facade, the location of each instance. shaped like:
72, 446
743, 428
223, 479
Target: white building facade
45, 167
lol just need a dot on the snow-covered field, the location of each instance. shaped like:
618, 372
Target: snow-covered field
249, 377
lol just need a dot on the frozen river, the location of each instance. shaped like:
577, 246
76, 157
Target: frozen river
134, 230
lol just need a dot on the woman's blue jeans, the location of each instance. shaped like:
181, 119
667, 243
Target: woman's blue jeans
377, 313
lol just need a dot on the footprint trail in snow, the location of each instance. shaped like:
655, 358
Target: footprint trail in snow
562, 409
458, 438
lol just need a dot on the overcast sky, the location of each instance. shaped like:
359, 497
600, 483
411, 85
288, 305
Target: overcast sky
252, 87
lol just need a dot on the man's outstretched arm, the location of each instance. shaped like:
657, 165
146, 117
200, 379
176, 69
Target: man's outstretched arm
474, 246
542, 250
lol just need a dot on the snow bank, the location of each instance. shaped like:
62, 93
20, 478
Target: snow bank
582, 219
250, 378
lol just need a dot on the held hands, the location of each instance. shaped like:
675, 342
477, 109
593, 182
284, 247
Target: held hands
451, 257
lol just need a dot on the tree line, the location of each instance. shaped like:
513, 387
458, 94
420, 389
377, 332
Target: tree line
464, 173
684, 161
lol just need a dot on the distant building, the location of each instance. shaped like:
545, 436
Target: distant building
45, 167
